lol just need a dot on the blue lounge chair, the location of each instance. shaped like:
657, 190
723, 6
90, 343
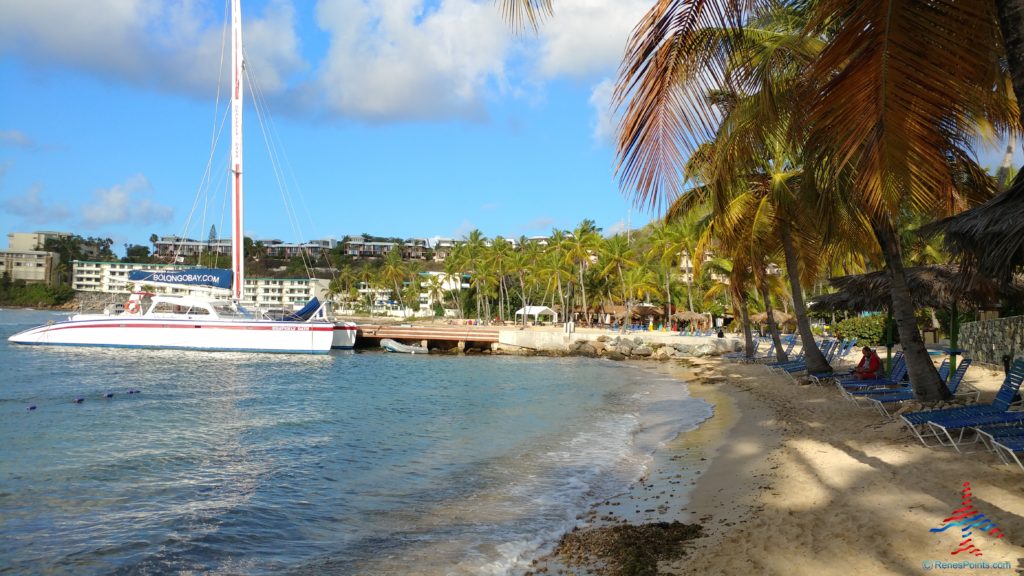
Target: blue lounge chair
852, 387
938, 424
743, 354
770, 355
885, 398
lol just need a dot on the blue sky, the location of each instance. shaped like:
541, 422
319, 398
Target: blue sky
396, 118
404, 118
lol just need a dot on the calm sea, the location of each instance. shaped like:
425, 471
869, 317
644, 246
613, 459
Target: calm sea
351, 463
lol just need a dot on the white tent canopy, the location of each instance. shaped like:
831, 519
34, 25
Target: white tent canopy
536, 312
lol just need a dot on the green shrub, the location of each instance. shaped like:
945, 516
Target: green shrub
868, 330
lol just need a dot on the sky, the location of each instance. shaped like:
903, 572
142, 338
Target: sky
405, 118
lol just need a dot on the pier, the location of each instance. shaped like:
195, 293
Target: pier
443, 337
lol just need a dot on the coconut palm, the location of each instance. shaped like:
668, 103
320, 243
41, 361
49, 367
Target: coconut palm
881, 151
393, 273
581, 247
617, 256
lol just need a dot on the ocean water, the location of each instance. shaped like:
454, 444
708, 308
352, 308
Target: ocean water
351, 463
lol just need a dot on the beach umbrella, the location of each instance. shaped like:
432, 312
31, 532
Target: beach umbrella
779, 317
932, 286
990, 237
687, 316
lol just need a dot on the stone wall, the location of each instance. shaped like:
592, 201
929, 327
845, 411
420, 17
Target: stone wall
986, 341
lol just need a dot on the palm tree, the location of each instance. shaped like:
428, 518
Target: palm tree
393, 273
580, 248
617, 255
883, 151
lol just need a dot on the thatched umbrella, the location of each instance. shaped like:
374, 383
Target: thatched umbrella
687, 316
779, 317
934, 286
989, 238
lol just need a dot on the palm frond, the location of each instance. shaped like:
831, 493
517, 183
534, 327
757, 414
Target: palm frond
521, 14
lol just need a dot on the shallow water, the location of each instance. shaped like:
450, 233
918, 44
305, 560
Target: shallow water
351, 463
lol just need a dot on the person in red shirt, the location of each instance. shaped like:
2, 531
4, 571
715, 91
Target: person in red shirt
867, 368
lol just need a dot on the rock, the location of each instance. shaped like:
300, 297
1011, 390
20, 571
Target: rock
626, 351
642, 351
664, 353
684, 348
626, 347
638, 341
599, 346
615, 355
702, 350
604, 338
585, 350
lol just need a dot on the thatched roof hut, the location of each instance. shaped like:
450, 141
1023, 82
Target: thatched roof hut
989, 238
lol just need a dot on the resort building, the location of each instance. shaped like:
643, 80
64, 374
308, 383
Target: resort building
31, 266
172, 246
443, 248
112, 277
29, 241
412, 249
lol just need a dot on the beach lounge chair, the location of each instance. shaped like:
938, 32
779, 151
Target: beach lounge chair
1005, 440
938, 425
828, 349
886, 398
790, 344
851, 387
743, 354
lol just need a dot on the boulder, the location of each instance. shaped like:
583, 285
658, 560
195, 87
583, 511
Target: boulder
664, 353
685, 349
642, 351
615, 355
585, 349
599, 346
702, 350
604, 338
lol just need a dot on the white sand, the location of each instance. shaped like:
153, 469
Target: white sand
807, 483
791, 479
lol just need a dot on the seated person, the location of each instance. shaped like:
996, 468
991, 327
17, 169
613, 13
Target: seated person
867, 368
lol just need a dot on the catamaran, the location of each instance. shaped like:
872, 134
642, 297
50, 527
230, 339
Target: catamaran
201, 321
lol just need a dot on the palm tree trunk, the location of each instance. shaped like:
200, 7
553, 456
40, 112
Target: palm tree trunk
928, 387
1003, 174
748, 339
689, 290
773, 328
583, 292
815, 359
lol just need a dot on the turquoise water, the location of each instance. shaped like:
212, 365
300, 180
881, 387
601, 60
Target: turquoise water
352, 463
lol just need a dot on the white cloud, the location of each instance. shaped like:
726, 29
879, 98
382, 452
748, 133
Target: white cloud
16, 138
123, 203
588, 37
400, 59
542, 223
33, 208
605, 120
169, 44
617, 228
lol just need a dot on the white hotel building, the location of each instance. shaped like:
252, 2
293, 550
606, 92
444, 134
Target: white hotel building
112, 278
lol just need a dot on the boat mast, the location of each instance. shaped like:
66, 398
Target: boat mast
237, 230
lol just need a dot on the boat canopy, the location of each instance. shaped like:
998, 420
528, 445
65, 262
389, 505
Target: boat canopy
306, 313
213, 277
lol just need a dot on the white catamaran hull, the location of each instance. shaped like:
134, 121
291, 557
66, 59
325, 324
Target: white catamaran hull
344, 336
219, 335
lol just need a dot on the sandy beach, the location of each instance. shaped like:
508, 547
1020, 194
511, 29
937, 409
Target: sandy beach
789, 478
